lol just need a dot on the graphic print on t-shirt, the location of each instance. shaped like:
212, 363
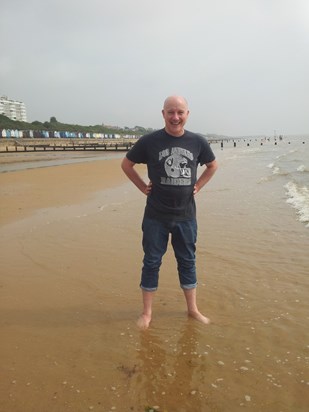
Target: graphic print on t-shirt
176, 166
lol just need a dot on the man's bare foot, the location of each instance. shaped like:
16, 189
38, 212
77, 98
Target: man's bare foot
198, 316
143, 321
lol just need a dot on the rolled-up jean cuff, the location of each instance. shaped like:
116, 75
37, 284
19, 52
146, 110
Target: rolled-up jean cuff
148, 289
190, 286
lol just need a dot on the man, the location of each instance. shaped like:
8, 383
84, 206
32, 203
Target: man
172, 156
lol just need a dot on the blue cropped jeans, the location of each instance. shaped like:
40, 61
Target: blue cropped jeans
155, 240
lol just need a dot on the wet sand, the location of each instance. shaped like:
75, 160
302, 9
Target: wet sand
70, 268
33, 189
64, 254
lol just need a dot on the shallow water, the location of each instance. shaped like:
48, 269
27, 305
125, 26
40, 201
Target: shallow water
256, 246
253, 265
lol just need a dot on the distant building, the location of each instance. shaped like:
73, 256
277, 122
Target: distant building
13, 109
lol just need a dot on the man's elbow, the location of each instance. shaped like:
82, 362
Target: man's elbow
123, 163
213, 166
126, 164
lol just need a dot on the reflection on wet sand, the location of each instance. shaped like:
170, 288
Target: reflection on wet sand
170, 369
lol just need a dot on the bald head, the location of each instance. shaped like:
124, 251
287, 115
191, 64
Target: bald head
172, 100
175, 112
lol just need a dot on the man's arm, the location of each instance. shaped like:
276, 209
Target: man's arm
128, 168
205, 176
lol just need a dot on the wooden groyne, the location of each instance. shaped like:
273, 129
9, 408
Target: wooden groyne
68, 145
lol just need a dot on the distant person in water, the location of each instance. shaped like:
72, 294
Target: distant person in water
172, 156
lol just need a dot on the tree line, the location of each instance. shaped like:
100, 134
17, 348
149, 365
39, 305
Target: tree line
54, 125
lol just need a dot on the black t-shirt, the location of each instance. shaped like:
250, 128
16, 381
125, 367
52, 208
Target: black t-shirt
172, 168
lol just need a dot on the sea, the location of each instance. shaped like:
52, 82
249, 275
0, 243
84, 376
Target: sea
287, 165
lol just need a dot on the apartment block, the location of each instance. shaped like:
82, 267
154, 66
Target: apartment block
13, 109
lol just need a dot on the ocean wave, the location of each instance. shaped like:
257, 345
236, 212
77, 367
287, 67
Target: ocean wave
298, 197
302, 168
275, 169
286, 154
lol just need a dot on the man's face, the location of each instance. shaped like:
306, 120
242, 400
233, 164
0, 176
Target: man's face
175, 113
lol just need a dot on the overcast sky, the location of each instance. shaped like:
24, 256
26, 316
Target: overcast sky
243, 65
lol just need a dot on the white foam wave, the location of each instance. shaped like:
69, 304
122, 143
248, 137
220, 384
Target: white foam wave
302, 168
298, 197
286, 154
275, 169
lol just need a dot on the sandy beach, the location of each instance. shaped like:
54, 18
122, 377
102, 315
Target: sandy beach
33, 189
69, 296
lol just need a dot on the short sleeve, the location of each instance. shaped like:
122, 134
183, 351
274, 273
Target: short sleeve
206, 153
138, 153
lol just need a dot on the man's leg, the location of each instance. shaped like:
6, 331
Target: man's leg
190, 295
155, 239
145, 318
184, 236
